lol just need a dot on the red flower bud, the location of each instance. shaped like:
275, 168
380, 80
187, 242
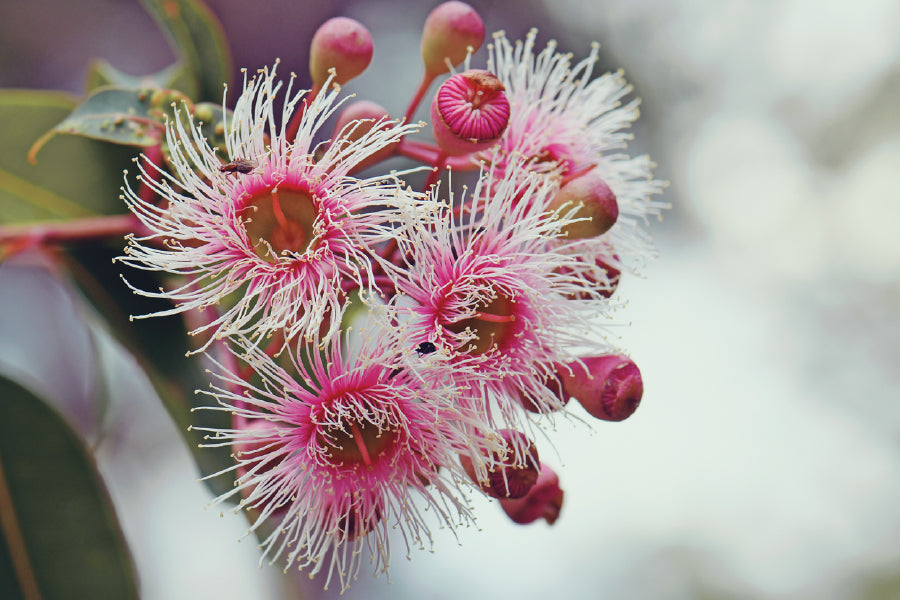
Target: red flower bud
469, 112
342, 44
510, 475
596, 205
544, 500
450, 30
611, 390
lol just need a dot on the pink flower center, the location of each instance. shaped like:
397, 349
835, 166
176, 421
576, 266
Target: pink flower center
359, 442
493, 325
473, 105
279, 221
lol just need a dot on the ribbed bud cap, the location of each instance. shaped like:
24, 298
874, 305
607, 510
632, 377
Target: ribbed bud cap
469, 112
450, 30
611, 390
544, 500
511, 475
596, 204
342, 44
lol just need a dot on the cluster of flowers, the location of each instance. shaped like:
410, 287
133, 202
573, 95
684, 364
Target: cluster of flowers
394, 349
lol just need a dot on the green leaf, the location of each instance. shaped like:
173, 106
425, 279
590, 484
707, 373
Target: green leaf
196, 35
61, 537
159, 344
75, 177
132, 117
176, 76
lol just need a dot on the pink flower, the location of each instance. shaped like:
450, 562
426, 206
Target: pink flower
488, 293
269, 237
570, 124
332, 450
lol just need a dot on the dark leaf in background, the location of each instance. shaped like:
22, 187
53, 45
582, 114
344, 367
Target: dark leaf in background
75, 177
60, 532
196, 36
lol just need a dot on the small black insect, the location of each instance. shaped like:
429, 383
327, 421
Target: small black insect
425, 348
238, 165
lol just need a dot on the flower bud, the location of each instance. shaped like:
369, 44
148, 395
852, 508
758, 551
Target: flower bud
543, 500
469, 112
612, 389
369, 115
450, 30
595, 203
342, 44
510, 475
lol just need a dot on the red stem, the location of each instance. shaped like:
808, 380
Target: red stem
15, 238
436, 171
427, 78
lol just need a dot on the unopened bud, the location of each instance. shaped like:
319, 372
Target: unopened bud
450, 30
611, 389
342, 44
596, 206
511, 475
469, 112
368, 116
544, 500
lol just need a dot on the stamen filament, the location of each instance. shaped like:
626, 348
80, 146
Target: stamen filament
494, 318
360, 443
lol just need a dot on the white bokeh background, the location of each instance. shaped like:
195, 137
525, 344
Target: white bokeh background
764, 461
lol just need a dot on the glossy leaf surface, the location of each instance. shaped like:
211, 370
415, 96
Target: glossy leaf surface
61, 537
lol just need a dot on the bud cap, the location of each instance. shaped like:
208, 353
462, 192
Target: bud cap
596, 204
450, 30
612, 389
544, 500
342, 44
469, 112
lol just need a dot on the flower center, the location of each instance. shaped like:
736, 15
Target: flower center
279, 221
493, 325
359, 442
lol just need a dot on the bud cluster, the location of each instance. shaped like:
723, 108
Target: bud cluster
387, 343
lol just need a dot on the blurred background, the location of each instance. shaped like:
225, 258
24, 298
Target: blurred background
764, 461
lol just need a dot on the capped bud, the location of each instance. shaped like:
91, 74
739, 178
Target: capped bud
595, 203
342, 44
544, 500
367, 115
450, 30
469, 112
612, 389
512, 474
